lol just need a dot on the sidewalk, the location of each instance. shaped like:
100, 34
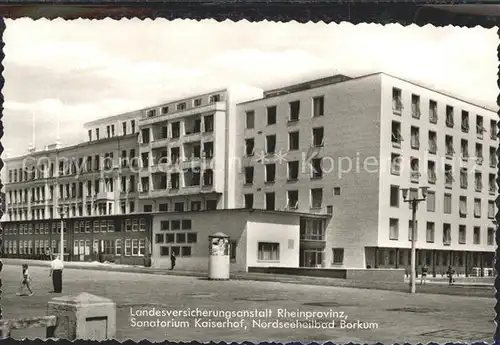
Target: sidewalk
478, 290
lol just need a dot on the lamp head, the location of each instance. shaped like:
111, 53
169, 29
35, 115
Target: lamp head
405, 193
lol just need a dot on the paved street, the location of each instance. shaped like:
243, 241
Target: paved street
398, 317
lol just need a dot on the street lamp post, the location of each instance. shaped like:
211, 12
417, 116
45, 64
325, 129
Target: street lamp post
61, 247
414, 201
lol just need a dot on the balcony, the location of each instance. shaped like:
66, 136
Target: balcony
493, 190
159, 143
105, 196
414, 176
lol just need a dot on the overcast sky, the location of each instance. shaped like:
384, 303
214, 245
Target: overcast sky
83, 70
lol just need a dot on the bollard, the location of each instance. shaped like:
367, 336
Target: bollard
83, 316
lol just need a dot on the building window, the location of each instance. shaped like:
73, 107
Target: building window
393, 229
462, 207
479, 153
232, 249
128, 247
447, 203
250, 119
397, 104
270, 201
292, 199
176, 129
248, 199
461, 234
271, 144
480, 126
465, 121
318, 136
208, 121
415, 137
450, 121
271, 115
316, 168
186, 224
394, 197
179, 207
433, 112
411, 231
395, 163
432, 142
493, 130
429, 236
477, 208
338, 256
268, 251
415, 106
163, 207
270, 173
211, 205
249, 172
396, 136
415, 169
448, 173
449, 146
192, 238
145, 135
477, 235
293, 141
316, 197
249, 146
318, 106
431, 172
181, 106
464, 149
164, 225
164, 251
478, 177
159, 238
293, 170
148, 208
294, 111
493, 157
180, 238
491, 236
491, 209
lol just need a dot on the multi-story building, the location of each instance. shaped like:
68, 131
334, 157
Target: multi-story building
347, 146
187, 152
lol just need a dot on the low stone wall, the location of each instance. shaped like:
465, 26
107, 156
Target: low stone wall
372, 274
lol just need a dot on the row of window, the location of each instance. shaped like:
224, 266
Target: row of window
191, 178
192, 125
131, 247
315, 197
388, 257
449, 118
73, 166
78, 227
181, 106
179, 251
179, 237
110, 130
317, 109
447, 236
447, 203
317, 140
415, 174
191, 151
397, 138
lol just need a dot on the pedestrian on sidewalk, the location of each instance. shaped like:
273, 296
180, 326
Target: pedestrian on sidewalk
56, 268
423, 278
450, 272
172, 260
26, 281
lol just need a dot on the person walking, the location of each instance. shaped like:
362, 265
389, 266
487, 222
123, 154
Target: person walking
172, 260
26, 281
450, 272
56, 268
425, 269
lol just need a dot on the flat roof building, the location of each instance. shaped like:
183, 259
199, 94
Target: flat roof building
346, 146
